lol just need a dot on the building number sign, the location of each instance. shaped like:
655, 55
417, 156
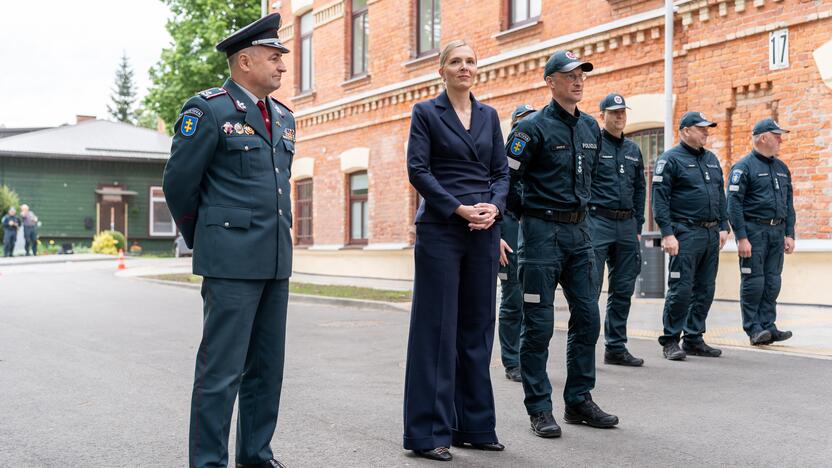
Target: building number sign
778, 49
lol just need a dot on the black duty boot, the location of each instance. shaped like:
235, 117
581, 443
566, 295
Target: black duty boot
778, 335
513, 374
588, 412
671, 351
622, 358
701, 349
761, 338
544, 425
438, 454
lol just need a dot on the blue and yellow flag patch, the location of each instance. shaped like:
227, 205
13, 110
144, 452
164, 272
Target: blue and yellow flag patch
517, 146
735, 176
188, 127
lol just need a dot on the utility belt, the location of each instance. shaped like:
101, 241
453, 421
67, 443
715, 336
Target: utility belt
567, 217
611, 214
698, 222
766, 221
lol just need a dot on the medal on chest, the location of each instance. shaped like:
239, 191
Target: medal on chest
621, 169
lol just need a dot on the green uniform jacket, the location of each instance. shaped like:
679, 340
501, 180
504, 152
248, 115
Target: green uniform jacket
227, 185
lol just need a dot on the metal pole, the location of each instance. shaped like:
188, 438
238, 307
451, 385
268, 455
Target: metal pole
264, 8
668, 74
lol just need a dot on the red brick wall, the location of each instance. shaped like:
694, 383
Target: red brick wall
721, 69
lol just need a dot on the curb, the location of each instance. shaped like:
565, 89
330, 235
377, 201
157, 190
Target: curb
60, 259
307, 298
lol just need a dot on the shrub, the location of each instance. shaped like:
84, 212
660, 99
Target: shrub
104, 243
121, 242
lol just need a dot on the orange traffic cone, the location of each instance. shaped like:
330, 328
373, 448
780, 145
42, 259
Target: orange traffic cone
121, 265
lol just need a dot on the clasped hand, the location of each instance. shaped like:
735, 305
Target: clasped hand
480, 216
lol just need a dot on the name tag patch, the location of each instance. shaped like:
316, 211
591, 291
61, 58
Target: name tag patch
631, 158
589, 146
502, 276
733, 188
675, 274
745, 271
658, 178
513, 163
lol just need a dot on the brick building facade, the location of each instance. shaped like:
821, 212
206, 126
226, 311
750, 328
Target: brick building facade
358, 66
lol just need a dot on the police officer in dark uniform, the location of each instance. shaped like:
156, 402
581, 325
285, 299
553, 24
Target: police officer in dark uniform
616, 214
511, 299
551, 154
227, 186
689, 207
761, 209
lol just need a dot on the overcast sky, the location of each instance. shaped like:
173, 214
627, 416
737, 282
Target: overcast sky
58, 58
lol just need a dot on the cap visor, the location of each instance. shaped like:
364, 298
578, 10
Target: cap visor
780, 131
705, 123
275, 44
616, 107
585, 66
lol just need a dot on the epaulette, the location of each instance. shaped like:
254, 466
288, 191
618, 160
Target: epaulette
212, 93
284, 105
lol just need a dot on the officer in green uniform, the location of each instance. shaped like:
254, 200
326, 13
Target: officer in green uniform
761, 209
616, 214
689, 207
227, 186
511, 299
551, 155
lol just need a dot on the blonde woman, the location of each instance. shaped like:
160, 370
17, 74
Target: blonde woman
456, 161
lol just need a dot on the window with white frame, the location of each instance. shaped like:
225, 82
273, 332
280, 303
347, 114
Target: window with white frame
161, 221
524, 11
360, 35
306, 65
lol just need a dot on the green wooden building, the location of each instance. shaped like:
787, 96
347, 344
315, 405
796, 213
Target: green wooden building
92, 176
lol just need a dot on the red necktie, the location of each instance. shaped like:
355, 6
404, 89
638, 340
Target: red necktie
265, 114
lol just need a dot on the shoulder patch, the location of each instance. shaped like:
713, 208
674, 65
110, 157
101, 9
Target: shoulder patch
188, 127
736, 174
660, 166
522, 136
212, 93
195, 111
518, 145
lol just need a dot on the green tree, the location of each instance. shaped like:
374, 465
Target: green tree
124, 94
191, 63
8, 198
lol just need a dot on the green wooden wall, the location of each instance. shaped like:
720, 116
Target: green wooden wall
62, 193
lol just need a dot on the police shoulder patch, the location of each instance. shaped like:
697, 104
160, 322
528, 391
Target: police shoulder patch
195, 111
518, 145
522, 136
212, 93
736, 174
188, 126
660, 166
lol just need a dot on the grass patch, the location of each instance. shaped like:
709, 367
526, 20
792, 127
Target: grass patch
349, 292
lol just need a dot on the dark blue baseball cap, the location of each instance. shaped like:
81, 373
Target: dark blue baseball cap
695, 119
613, 101
766, 126
522, 110
261, 32
564, 61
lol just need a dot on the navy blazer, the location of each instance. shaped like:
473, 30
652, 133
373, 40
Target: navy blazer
450, 166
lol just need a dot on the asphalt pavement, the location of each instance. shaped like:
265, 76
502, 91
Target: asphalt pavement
96, 371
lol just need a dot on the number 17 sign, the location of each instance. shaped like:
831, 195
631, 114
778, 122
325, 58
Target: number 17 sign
778, 49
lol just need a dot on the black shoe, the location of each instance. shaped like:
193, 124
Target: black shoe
544, 425
672, 352
490, 447
622, 358
513, 374
701, 349
273, 463
778, 335
438, 454
588, 412
761, 338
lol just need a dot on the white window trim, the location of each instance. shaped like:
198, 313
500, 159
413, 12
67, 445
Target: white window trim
151, 231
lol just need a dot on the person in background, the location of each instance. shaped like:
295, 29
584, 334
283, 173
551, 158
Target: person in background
10, 224
30, 229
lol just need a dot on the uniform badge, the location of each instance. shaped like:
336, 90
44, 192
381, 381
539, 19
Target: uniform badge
188, 127
195, 111
277, 123
660, 166
580, 168
241, 105
279, 111
517, 146
621, 169
735, 176
289, 134
617, 99
571, 55
248, 130
227, 128
238, 127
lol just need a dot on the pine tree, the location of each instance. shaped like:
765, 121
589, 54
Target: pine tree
124, 93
